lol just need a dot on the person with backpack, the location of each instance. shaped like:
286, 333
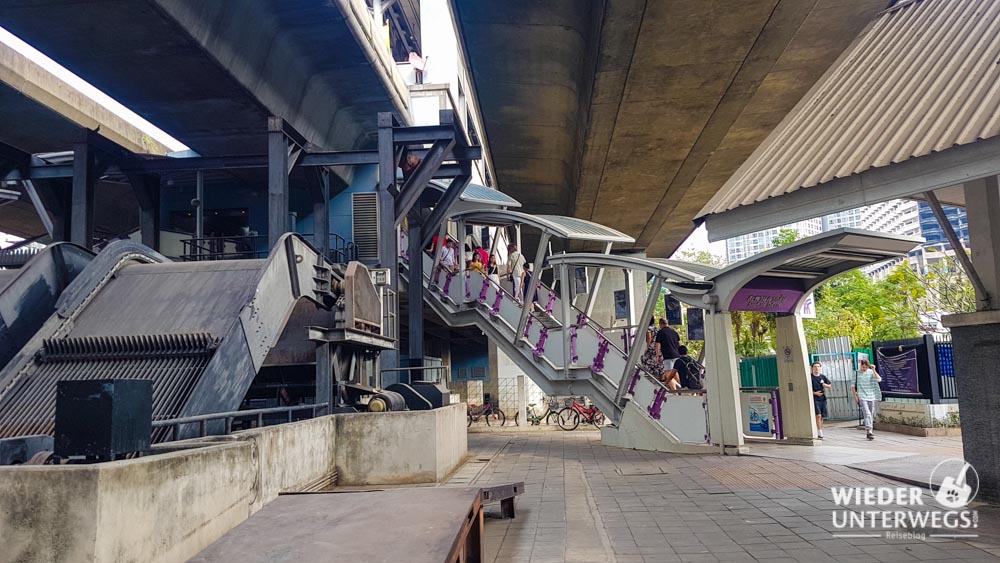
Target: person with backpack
867, 393
689, 370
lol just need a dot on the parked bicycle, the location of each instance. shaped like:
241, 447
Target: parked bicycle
571, 416
550, 416
492, 415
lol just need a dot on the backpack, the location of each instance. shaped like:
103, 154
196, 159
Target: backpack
692, 374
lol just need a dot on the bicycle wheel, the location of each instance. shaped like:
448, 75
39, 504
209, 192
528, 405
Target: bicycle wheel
517, 419
496, 417
552, 418
598, 419
469, 416
569, 419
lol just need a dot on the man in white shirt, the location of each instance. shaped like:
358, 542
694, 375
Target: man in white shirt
515, 266
448, 256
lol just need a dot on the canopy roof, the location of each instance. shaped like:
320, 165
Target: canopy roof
569, 228
476, 193
788, 271
920, 82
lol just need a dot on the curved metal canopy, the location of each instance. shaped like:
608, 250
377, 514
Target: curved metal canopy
569, 228
656, 268
476, 193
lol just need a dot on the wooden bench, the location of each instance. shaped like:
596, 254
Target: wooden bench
504, 494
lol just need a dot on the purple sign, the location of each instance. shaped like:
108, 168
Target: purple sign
768, 295
899, 372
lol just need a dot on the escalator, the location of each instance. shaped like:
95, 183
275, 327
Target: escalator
201, 331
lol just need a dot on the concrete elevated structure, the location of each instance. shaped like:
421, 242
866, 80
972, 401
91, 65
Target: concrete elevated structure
633, 114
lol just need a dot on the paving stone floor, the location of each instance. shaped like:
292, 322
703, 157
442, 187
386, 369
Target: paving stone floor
585, 502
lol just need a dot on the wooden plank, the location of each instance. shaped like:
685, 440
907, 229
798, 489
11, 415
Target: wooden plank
417, 525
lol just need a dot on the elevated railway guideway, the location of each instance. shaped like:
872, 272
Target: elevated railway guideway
201, 331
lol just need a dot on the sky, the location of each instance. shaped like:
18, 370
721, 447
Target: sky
88, 90
698, 240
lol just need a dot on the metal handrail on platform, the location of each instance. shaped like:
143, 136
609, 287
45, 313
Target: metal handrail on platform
203, 419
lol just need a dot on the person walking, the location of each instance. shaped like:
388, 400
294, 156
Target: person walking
667, 351
493, 271
868, 393
820, 384
515, 269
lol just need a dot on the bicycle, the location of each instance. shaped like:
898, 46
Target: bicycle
487, 411
571, 416
550, 416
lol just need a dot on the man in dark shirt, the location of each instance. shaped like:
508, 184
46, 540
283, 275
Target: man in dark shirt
820, 384
667, 345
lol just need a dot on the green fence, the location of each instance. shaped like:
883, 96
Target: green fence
759, 372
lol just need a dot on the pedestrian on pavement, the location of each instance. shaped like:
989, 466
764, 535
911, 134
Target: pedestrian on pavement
867, 393
820, 384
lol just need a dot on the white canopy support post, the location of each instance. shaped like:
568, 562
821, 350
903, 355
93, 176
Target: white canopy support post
565, 311
639, 342
591, 299
533, 286
461, 261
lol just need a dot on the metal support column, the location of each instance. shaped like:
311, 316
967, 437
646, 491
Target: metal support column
321, 213
277, 181
639, 344
324, 375
536, 267
388, 240
199, 211
415, 296
565, 314
43, 213
982, 295
82, 198
146, 188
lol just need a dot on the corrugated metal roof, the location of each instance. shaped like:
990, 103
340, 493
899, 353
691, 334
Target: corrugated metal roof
476, 193
922, 78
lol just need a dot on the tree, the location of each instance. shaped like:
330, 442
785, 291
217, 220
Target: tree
701, 257
785, 236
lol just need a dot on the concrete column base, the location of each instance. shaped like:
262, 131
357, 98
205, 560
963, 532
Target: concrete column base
976, 344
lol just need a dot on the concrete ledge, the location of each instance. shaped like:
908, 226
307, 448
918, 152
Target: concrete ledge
400, 447
168, 507
917, 430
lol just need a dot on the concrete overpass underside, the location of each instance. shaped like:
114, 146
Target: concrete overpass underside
210, 73
633, 113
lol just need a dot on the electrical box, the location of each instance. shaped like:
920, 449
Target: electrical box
104, 419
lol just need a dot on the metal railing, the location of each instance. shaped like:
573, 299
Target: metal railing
202, 420
255, 247
224, 248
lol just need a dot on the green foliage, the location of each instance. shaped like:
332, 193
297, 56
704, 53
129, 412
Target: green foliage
785, 236
854, 305
701, 257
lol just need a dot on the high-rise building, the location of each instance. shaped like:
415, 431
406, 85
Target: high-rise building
898, 216
745, 246
934, 234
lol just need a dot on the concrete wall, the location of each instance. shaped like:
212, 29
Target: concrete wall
170, 506
380, 448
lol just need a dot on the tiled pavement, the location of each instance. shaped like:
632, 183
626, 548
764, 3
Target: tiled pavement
585, 502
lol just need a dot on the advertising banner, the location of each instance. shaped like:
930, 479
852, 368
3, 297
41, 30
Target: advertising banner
696, 324
675, 315
757, 419
768, 295
899, 372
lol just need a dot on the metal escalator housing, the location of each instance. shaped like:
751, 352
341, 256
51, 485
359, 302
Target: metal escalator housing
200, 330
28, 295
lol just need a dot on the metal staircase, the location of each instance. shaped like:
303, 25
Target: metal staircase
574, 358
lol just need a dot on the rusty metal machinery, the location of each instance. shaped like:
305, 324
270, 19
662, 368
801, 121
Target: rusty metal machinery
200, 330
